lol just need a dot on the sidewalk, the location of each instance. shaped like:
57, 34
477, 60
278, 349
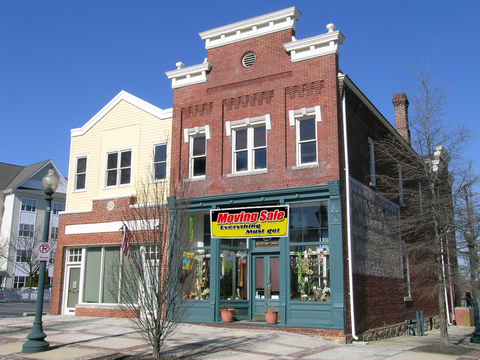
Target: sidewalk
74, 337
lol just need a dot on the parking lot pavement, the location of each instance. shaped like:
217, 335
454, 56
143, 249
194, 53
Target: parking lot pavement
18, 309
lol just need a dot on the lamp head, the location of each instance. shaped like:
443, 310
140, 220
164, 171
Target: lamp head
469, 235
50, 182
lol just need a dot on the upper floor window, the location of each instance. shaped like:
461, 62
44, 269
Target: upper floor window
197, 138
305, 120
53, 233
119, 168
26, 230
160, 161
24, 255
29, 205
400, 186
371, 149
198, 156
249, 143
80, 173
57, 207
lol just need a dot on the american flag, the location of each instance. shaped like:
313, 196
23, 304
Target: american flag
127, 237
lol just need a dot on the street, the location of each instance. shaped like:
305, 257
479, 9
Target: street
17, 309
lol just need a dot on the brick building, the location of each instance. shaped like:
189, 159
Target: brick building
266, 122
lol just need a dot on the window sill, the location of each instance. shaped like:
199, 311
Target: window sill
104, 306
248, 173
198, 178
117, 186
306, 166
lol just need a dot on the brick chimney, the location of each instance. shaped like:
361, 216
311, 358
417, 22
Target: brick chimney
400, 102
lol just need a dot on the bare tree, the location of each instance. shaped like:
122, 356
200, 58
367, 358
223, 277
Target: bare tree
419, 177
21, 250
158, 270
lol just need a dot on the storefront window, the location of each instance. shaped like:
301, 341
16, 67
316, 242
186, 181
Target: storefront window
234, 270
309, 252
197, 259
308, 223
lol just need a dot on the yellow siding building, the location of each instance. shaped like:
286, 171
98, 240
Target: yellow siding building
114, 151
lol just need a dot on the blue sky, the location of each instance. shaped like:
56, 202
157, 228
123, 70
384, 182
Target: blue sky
62, 61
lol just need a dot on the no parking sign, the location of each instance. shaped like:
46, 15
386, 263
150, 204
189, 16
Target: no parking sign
44, 251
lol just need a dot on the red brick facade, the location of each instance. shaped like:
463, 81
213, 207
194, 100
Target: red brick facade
273, 85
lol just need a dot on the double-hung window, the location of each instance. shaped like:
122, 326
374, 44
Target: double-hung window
80, 173
250, 149
371, 150
249, 144
26, 230
305, 121
160, 161
197, 138
29, 205
119, 168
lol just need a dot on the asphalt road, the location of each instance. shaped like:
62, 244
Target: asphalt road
16, 309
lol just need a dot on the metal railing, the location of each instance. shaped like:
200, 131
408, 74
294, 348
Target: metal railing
26, 295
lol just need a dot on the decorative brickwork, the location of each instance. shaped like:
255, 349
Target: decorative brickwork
197, 110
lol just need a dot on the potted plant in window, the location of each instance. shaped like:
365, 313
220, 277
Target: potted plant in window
271, 314
227, 313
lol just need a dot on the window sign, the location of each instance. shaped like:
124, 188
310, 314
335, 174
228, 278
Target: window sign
266, 221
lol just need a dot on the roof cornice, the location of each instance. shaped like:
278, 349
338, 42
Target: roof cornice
123, 95
251, 28
184, 76
315, 46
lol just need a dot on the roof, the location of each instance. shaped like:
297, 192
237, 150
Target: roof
8, 172
14, 176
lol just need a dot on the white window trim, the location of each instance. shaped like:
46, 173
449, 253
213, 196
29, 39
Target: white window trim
187, 133
155, 144
295, 116
75, 173
188, 136
248, 123
371, 150
105, 171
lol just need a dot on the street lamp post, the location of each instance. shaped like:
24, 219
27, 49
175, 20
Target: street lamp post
36, 339
471, 238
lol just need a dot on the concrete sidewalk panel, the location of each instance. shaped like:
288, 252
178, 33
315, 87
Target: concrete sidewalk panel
70, 337
11, 348
111, 330
303, 341
64, 353
263, 347
116, 343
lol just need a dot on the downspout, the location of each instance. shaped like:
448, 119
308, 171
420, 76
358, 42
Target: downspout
349, 232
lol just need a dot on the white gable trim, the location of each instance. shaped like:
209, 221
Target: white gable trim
135, 101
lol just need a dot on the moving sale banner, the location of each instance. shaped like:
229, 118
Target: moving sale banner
265, 221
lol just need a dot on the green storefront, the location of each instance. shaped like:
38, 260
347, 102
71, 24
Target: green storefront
300, 274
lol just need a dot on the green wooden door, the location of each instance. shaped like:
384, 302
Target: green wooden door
265, 283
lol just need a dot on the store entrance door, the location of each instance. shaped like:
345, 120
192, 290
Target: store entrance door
73, 281
265, 283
